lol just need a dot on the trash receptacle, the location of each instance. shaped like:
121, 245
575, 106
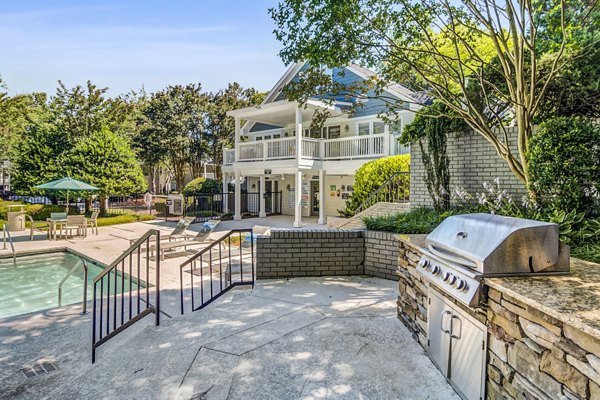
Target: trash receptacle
16, 218
175, 204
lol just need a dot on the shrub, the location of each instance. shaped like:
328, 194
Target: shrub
202, 185
372, 175
564, 164
39, 212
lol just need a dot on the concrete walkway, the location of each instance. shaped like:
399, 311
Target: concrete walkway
306, 338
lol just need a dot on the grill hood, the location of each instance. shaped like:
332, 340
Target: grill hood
496, 245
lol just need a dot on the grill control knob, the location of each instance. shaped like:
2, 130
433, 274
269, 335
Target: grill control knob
452, 280
423, 263
461, 285
446, 276
435, 269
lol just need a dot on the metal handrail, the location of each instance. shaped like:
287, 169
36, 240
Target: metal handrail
5, 233
229, 284
85, 279
105, 321
375, 195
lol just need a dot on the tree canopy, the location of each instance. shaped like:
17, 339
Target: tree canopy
478, 58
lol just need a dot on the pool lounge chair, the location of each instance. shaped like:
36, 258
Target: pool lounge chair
257, 231
202, 238
176, 234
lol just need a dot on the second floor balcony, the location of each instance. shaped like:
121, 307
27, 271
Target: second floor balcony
344, 148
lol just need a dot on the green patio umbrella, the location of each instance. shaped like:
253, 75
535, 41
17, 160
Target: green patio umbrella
68, 184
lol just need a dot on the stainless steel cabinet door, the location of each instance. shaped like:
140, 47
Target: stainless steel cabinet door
467, 356
439, 316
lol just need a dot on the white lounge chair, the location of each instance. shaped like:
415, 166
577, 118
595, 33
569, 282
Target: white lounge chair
179, 232
202, 238
257, 231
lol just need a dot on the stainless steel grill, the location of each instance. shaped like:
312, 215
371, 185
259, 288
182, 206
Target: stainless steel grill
464, 249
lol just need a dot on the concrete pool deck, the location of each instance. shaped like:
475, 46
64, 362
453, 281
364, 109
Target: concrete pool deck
303, 338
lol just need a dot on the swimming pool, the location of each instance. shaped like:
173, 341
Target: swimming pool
33, 284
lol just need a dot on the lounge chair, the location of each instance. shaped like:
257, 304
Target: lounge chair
92, 222
74, 222
257, 231
178, 233
202, 238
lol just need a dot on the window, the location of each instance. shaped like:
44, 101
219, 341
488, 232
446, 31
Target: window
333, 132
396, 127
267, 137
378, 128
277, 136
364, 128
258, 138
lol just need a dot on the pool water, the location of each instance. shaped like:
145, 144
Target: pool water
33, 284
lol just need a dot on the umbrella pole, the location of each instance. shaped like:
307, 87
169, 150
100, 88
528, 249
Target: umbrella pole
67, 203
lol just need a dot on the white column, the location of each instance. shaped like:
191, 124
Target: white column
238, 197
322, 220
237, 139
298, 134
262, 213
225, 193
298, 201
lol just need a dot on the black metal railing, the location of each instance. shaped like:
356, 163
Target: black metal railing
120, 305
396, 189
211, 270
205, 206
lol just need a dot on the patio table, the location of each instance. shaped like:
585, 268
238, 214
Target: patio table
52, 225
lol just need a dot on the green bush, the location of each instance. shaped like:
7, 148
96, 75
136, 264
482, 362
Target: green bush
420, 220
564, 165
124, 219
39, 212
372, 175
202, 185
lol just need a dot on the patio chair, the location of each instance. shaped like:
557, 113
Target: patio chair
202, 237
54, 226
178, 233
257, 231
33, 227
74, 222
59, 215
92, 222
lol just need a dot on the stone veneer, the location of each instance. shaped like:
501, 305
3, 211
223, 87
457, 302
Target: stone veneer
531, 354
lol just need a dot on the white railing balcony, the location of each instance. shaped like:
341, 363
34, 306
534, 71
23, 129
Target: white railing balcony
251, 151
280, 148
346, 148
357, 147
228, 156
311, 148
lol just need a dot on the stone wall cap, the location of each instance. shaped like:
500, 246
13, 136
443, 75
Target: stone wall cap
572, 299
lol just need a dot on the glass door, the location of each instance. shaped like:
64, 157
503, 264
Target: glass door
314, 194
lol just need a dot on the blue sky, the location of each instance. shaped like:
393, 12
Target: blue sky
124, 44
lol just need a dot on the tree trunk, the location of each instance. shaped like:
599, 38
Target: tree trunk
103, 205
88, 205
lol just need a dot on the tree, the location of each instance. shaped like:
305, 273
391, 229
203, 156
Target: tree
105, 159
219, 128
429, 45
170, 128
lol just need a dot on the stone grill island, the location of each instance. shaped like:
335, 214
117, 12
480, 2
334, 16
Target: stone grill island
543, 331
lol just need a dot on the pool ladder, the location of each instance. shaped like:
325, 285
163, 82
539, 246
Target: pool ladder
5, 234
85, 285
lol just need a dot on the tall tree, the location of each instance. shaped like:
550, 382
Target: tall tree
219, 128
430, 43
107, 161
170, 128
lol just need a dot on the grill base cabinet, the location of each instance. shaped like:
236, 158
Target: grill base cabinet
457, 346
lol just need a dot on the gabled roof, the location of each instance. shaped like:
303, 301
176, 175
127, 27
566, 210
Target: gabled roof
400, 91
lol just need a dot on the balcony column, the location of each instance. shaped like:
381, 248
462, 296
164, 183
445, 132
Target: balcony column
298, 201
225, 193
262, 213
322, 220
237, 139
298, 134
237, 216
